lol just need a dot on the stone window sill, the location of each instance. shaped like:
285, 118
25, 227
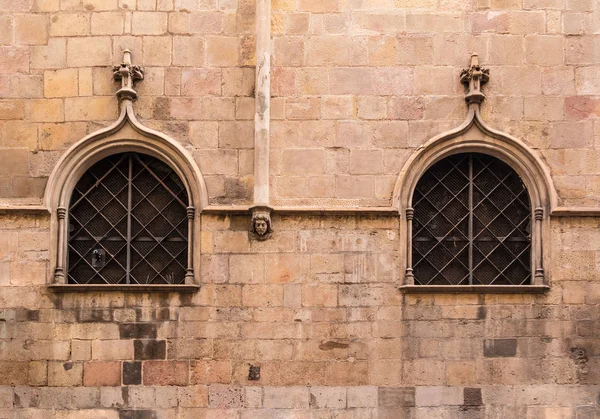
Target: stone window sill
475, 289
182, 288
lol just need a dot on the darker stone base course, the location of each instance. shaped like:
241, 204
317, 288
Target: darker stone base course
150, 349
472, 396
132, 373
137, 414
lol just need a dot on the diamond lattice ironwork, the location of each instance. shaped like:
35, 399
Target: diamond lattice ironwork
128, 223
472, 224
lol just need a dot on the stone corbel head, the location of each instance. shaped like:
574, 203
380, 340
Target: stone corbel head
127, 74
473, 78
261, 227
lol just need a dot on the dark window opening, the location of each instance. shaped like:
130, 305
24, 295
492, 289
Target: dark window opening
472, 224
128, 223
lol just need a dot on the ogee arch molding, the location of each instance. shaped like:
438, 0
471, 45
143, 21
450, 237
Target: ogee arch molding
474, 135
127, 134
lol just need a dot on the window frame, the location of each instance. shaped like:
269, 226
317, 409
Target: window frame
127, 237
474, 136
470, 241
127, 134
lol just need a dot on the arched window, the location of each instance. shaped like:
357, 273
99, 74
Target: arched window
128, 223
474, 205
125, 203
471, 224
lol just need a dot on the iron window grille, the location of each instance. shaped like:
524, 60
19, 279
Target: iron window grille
471, 224
128, 223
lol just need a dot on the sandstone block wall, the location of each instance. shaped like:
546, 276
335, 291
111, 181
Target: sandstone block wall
357, 87
362, 83
318, 310
56, 76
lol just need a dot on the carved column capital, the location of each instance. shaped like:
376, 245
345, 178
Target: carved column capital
539, 214
190, 211
410, 213
61, 213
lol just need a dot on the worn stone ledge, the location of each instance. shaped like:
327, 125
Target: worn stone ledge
24, 209
474, 289
575, 212
224, 209
242, 209
338, 210
304, 210
183, 288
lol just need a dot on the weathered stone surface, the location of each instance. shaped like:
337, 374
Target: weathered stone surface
137, 331
61, 83
286, 398
65, 374
112, 349
165, 373
221, 396
357, 86
99, 374
149, 349
328, 397
132, 373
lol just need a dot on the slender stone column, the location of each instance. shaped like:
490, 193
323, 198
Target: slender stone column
263, 102
59, 272
189, 275
409, 277
538, 278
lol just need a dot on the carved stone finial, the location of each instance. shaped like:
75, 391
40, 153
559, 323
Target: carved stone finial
261, 226
473, 78
127, 74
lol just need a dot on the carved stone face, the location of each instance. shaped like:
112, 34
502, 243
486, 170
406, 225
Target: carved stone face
260, 226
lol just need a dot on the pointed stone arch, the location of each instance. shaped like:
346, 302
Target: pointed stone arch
475, 136
126, 134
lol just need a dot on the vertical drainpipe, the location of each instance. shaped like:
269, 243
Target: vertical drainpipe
262, 116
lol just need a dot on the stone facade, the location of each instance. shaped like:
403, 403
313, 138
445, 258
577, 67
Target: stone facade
357, 87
